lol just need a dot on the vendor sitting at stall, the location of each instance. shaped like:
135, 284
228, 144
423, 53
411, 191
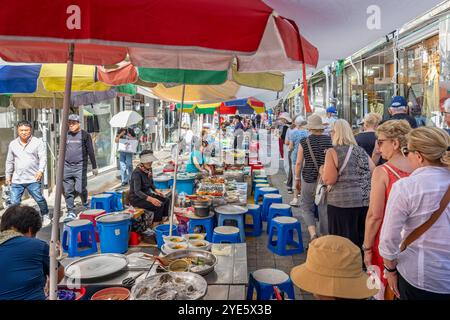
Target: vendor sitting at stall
24, 260
143, 193
197, 160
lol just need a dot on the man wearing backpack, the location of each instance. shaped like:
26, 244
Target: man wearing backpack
78, 148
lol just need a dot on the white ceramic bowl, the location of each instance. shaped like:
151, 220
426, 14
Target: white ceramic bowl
174, 239
199, 245
172, 247
194, 236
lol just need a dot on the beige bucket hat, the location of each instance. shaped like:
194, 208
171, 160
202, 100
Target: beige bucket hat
315, 122
333, 268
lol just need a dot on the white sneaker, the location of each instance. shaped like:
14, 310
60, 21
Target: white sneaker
290, 191
70, 216
295, 202
46, 221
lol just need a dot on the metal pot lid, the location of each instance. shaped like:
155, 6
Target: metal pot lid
113, 217
163, 178
231, 209
96, 266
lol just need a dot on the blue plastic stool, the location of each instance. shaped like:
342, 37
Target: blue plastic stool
264, 280
254, 210
260, 192
259, 185
206, 223
186, 186
278, 210
238, 218
70, 243
102, 201
268, 200
284, 228
116, 201
226, 234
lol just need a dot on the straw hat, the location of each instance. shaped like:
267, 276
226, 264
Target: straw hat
285, 116
333, 268
315, 122
147, 158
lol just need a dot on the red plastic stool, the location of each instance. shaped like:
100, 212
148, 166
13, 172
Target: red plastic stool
91, 215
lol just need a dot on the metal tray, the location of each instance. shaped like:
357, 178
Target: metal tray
96, 267
193, 253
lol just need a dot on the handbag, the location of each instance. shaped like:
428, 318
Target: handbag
417, 233
128, 145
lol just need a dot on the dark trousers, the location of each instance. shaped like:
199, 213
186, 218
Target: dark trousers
348, 223
409, 292
290, 179
75, 184
159, 212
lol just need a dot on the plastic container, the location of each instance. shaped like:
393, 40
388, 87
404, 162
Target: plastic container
114, 293
114, 232
79, 293
163, 230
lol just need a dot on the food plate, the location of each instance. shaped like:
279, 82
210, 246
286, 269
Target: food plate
170, 286
173, 239
96, 266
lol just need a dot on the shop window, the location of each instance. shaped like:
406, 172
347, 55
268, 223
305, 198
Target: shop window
352, 94
419, 77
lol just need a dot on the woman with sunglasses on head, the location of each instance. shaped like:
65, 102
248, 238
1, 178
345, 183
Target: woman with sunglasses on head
391, 138
415, 235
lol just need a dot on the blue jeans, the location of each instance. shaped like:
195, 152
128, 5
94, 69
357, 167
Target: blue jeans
126, 166
34, 189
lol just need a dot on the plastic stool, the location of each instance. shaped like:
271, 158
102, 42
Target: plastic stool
206, 223
254, 210
226, 234
102, 201
238, 218
260, 192
259, 186
268, 200
258, 181
91, 215
278, 210
284, 228
264, 280
70, 243
116, 201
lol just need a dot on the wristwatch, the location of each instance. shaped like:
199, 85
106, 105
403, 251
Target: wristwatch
364, 248
390, 270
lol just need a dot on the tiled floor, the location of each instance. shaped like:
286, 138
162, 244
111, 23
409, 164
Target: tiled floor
259, 257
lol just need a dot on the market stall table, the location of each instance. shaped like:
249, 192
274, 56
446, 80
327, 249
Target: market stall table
226, 282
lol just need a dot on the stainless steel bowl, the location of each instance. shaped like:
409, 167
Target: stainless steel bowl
206, 255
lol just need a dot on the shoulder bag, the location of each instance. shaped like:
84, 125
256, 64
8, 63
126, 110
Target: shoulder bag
417, 233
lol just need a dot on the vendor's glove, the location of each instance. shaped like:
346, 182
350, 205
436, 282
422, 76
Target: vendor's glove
95, 172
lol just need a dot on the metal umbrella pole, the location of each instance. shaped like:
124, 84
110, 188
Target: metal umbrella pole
60, 175
174, 187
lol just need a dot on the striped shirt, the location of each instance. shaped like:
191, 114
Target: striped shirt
319, 145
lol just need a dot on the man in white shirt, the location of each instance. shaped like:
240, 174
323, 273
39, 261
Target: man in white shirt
25, 165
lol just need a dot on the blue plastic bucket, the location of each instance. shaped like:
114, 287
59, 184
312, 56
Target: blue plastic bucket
186, 186
114, 230
162, 185
163, 230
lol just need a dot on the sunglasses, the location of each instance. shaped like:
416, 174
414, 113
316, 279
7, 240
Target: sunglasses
381, 141
405, 151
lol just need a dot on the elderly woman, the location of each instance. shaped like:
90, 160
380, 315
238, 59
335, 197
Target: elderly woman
420, 269
143, 193
391, 139
347, 169
24, 260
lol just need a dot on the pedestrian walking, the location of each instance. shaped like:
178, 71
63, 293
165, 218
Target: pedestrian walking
78, 148
330, 118
399, 111
418, 221
367, 138
391, 139
288, 158
25, 166
295, 136
126, 157
347, 170
311, 152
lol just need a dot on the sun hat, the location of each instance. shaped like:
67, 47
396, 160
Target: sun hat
399, 102
285, 116
315, 122
74, 117
333, 268
147, 158
331, 109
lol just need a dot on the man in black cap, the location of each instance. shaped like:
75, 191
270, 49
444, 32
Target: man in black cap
78, 148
